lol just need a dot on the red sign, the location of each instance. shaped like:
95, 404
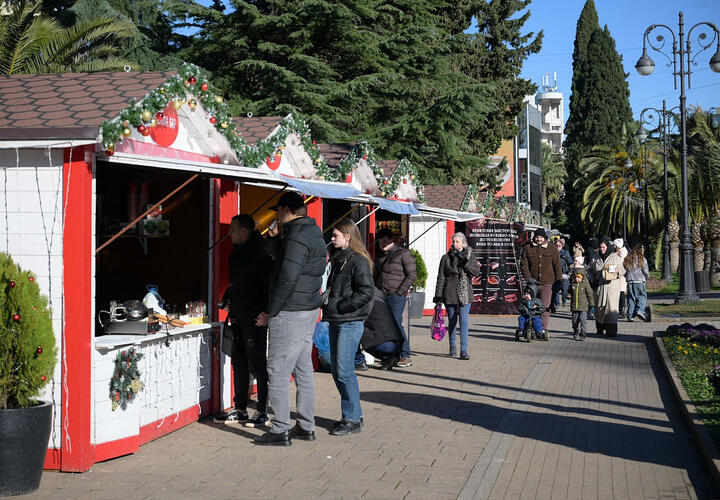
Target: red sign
166, 130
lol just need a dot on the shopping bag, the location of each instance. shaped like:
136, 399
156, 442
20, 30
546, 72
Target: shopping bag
437, 327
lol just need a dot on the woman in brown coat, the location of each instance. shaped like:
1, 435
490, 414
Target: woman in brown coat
454, 289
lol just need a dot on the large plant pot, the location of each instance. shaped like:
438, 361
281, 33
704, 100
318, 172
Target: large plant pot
24, 434
417, 305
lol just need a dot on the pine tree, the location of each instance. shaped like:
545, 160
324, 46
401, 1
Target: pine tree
27, 344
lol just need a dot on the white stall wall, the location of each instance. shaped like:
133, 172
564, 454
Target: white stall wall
31, 231
432, 246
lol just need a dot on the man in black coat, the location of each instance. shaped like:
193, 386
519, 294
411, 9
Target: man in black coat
293, 310
246, 297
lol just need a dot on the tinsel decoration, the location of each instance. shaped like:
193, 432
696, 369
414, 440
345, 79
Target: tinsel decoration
125, 382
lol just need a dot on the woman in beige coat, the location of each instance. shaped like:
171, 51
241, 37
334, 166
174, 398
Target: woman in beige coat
609, 269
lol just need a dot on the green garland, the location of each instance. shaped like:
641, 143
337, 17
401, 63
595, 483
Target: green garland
125, 382
191, 85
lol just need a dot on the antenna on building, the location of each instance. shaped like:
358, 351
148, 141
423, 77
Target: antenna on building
546, 83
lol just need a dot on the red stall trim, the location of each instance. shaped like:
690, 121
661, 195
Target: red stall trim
77, 454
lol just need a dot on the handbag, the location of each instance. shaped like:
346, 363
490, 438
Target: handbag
437, 327
226, 337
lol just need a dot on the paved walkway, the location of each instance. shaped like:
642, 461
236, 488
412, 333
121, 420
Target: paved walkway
561, 419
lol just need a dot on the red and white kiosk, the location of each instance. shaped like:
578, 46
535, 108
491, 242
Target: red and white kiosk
79, 162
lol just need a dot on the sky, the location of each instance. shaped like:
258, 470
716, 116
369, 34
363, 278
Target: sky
627, 21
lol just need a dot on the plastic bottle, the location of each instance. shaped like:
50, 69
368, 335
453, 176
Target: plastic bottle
154, 300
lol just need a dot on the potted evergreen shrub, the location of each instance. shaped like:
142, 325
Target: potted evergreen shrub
417, 290
27, 361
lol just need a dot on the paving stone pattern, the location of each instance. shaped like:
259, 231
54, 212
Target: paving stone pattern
561, 419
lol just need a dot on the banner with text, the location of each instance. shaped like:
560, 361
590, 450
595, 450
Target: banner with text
497, 289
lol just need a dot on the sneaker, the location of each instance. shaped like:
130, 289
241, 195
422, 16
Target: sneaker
362, 367
582, 336
260, 419
298, 432
231, 417
273, 439
345, 427
464, 355
453, 351
338, 423
404, 363
575, 336
641, 316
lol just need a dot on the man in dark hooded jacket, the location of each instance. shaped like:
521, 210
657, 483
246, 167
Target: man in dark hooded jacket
247, 296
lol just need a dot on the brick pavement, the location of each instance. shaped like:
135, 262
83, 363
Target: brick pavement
561, 419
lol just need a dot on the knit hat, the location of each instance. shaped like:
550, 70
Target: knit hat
541, 232
532, 290
618, 243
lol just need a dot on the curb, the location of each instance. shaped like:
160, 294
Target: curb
708, 450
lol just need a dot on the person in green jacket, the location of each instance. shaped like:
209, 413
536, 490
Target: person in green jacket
581, 298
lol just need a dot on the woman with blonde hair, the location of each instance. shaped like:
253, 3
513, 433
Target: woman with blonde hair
454, 289
350, 290
636, 275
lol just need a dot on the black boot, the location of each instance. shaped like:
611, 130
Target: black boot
611, 329
599, 328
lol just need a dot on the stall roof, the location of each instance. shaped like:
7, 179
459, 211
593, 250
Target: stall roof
449, 197
256, 128
68, 106
335, 153
389, 166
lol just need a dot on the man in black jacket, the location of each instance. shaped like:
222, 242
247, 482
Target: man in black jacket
292, 312
247, 296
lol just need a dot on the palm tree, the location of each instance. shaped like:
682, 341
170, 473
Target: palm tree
33, 43
554, 176
613, 196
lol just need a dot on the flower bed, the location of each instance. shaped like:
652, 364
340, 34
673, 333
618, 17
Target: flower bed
695, 352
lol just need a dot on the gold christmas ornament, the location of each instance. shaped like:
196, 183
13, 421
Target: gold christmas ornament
153, 122
192, 103
146, 115
218, 99
177, 104
161, 90
224, 125
127, 132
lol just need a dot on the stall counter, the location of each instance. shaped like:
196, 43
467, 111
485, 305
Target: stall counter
175, 371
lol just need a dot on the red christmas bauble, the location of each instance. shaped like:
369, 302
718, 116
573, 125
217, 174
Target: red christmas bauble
32, 279
314, 143
364, 157
404, 181
109, 152
12, 284
43, 378
141, 128
16, 318
159, 115
213, 120
117, 396
39, 351
385, 182
204, 87
192, 80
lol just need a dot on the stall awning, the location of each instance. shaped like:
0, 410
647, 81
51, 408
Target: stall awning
322, 189
453, 215
395, 206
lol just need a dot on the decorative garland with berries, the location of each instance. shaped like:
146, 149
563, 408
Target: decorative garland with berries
191, 85
471, 196
125, 382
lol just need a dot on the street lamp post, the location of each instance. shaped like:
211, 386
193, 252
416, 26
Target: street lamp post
645, 66
642, 134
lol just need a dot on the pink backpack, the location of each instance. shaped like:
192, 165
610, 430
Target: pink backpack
437, 327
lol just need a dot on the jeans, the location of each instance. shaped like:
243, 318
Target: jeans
344, 339
560, 288
385, 350
579, 323
545, 295
396, 303
289, 352
636, 299
456, 313
536, 322
248, 354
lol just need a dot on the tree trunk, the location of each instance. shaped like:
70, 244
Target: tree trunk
715, 264
699, 258
674, 256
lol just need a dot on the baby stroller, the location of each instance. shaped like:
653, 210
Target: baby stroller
530, 313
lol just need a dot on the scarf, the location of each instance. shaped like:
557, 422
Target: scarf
462, 289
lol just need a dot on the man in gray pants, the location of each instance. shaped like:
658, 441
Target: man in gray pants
293, 309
